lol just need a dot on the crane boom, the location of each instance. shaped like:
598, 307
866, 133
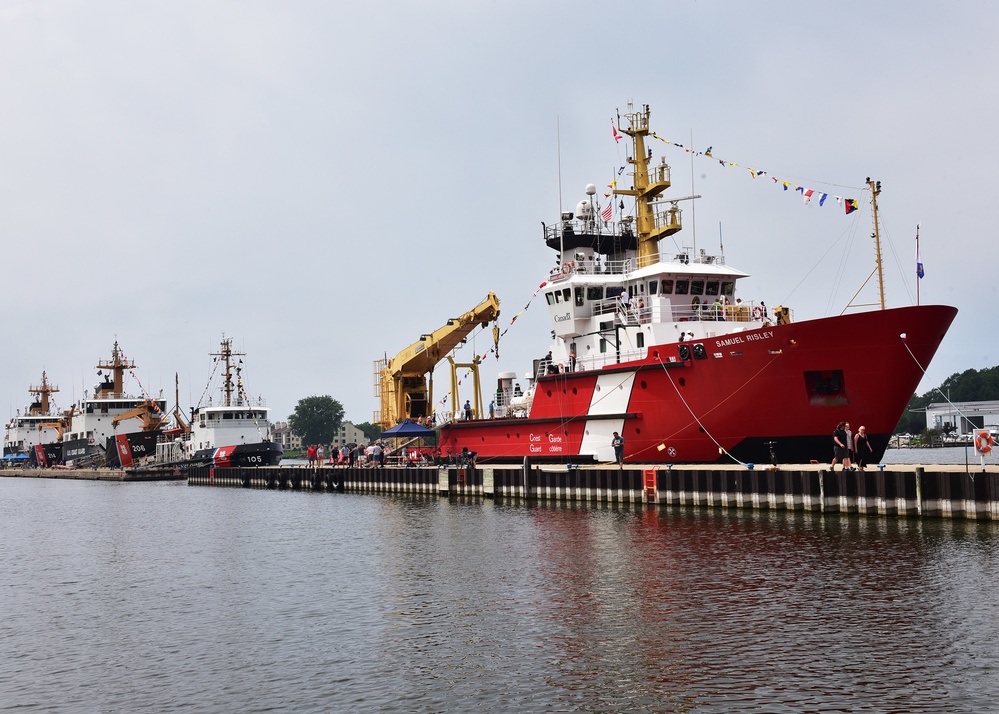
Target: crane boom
148, 412
402, 380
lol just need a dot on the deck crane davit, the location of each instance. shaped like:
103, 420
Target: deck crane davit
402, 382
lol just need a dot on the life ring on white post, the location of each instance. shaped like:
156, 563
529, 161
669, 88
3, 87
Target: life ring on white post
984, 442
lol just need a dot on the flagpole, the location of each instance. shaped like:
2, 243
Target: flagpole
693, 215
917, 264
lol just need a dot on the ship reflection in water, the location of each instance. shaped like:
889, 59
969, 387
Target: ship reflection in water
217, 600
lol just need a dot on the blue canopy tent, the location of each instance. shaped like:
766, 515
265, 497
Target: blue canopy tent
407, 428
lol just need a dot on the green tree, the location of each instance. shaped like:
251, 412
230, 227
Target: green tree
316, 419
972, 385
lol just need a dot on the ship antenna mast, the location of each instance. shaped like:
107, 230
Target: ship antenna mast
875, 190
650, 225
227, 354
558, 158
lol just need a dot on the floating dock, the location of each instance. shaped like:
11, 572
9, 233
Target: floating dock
100, 474
910, 491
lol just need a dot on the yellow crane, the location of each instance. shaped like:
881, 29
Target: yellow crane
148, 413
401, 382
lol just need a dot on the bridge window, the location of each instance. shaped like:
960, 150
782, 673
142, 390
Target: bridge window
594, 293
579, 297
682, 286
711, 288
696, 287
728, 288
653, 287
667, 287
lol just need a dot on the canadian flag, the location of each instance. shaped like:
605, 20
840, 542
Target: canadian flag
617, 136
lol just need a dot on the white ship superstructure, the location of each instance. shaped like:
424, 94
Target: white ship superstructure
40, 423
234, 419
111, 411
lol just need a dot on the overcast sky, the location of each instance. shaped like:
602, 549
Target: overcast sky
325, 181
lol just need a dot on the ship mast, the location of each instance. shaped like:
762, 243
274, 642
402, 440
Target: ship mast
227, 354
650, 225
875, 187
43, 390
117, 366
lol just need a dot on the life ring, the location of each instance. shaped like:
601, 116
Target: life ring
567, 267
983, 442
757, 313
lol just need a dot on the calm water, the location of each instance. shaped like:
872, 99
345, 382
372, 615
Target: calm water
164, 597
943, 455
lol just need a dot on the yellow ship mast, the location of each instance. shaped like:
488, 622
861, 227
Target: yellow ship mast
875, 187
43, 391
650, 225
117, 366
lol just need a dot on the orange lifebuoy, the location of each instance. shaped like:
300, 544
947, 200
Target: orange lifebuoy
983, 442
757, 313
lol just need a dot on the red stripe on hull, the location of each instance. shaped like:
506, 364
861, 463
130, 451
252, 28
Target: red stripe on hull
124, 451
788, 384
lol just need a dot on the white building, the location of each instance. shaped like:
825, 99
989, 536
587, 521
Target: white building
966, 416
282, 434
289, 441
348, 434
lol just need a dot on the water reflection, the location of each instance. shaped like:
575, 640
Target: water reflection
167, 597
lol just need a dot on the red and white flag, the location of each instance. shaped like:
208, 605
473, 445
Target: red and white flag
607, 212
617, 136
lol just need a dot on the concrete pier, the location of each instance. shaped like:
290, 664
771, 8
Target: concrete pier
908, 491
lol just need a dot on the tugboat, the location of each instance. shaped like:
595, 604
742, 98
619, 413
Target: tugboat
236, 431
41, 425
661, 349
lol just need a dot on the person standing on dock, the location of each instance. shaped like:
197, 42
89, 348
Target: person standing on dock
841, 452
862, 450
311, 453
319, 455
618, 443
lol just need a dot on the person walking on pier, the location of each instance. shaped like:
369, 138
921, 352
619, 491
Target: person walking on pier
841, 450
618, 443
862, 450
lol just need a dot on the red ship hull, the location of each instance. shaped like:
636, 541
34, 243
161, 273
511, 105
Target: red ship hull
770, 393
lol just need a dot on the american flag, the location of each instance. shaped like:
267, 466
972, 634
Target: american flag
607, 212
